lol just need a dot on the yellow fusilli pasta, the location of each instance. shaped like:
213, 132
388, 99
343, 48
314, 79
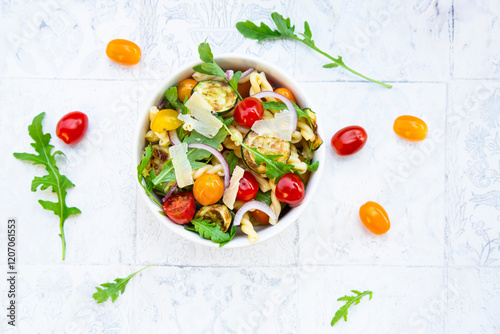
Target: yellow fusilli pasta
247, 228
275, 203
209, 169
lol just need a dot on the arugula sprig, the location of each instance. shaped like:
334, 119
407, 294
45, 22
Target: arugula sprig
351, 300
54, 180
274, 169
210, 67
148, 187
286, 31
113, 290
172, 97
211, 231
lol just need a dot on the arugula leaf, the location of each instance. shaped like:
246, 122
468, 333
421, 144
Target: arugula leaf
274, 169
234, 80
232, 161
211, 231
210, 67
194, 154
286, 31
112, 290
57, 182
148, 187
172, 97
312, 167
351, 300
264, 197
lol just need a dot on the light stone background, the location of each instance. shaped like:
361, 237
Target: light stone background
436, 271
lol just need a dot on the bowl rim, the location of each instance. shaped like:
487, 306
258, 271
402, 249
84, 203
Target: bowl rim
139, 143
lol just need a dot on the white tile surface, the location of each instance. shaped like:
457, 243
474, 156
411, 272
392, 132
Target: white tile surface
435, 271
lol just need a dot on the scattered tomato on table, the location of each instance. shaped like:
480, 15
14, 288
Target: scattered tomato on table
374, 218
72, 127
180, 208
349, 140
123, 52
410, 128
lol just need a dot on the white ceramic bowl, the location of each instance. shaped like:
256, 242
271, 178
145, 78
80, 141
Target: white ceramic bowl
279, 78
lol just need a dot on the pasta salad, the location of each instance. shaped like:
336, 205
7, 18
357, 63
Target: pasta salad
227, 150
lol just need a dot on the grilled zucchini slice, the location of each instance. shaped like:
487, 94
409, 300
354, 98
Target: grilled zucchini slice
216, 213
265, 145
158, 159
218, 94
312, 116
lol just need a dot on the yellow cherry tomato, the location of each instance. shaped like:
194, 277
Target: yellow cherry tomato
410, 128
286, 93
123, 52
165, 120
374, 217
208, 189
185, 87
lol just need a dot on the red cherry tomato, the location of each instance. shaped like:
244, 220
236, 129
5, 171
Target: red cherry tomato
290, 189
349, 140
248, 111
72, 127
374, 218
248, 187
180, 207
410, 128
123, 52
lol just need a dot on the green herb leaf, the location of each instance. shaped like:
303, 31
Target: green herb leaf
205, 52
148, 187
54, 180
171, 96
211, 68
264, 197
330, 65
342, 312
232, 161
286, 31
312, 167
234, 80
211, 231
113, 290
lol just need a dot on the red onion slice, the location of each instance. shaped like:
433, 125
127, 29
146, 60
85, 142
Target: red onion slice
219, 156
253, 205
161, 105
170, 191
247, 72
174, 139
286, 101
229, 74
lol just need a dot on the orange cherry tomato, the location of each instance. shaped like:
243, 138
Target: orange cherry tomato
123, 52
410, 128
374, 217
208, 189
184, 88
261, 217
286, 93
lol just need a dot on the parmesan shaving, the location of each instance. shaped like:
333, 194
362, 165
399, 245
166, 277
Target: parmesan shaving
203, 122
182, 167
279, 126
234, 184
